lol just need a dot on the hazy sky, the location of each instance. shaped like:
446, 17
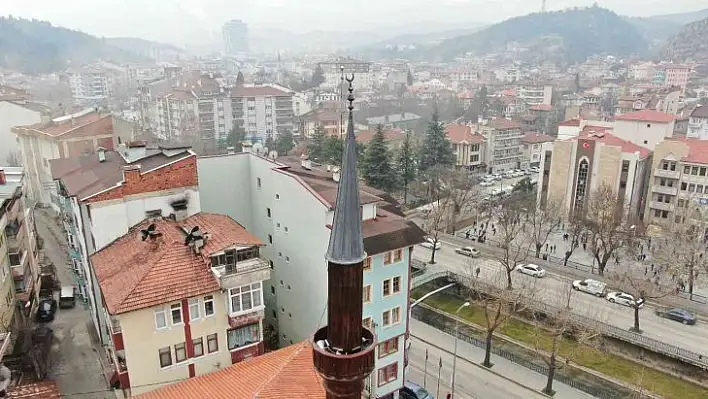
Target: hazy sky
185, 21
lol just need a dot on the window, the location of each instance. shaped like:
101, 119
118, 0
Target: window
686, 169
388, 374
673, 166
396, 315
645, 141
662, 182
665, 165
681, 203
388, 347
702, 172
208, 305
165, 357
212, 343
397, 255
194, 309
657, 213
386, 288
387, 258
367, 294
694, 170
699, 188
268, 212
367, 263
176, 313
258, 181
664, 214
180, 352
648, 125
396, 285
270, 239
386, 318
683, 186
691, 187
243, 336
198, 345
160, 318
245, 298
272, 289
366, 322
277, 196
581, 183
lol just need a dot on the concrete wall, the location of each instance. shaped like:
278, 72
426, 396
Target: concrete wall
561, 172
609, 162
13, 115
645, 134
7, 286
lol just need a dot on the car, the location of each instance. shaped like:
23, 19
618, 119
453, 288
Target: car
625, 299
414, 391
677, 314
590, 286
497, 176
46, 310
531, 270
430, 243
472, 252
486, 183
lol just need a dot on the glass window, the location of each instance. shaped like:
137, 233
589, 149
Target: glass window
684, 185
388, 374
194, 312
180, 352
662, 182
691, 187
386, 287
212, 343
694, 170
702, 172
581, 183
388, 347
395, 315
208, 305
367, 294
396, 285
366, 322
367, 263
160, 318
387, 258
386, 318
165, 357
198, 345
245, 298
176, 312
686, 169
699, 188
397, 255
243, 336
673, 166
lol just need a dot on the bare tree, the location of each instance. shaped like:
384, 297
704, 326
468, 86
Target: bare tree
13, 159
433, 223
462, 195
575, 228
641, 288
605, 223
511, 224
541, 220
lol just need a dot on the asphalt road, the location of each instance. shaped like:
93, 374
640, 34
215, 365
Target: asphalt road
554, 287
506, 380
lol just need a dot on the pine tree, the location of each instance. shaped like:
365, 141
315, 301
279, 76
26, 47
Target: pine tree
236, 136
436, 150
317, 77
285, 143
269, 142
333, 148
316, 147
405, 165
239, 79
376, 168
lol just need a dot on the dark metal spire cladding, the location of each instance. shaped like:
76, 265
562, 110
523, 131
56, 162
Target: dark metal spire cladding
346, 243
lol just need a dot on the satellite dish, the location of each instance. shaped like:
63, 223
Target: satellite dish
258, 148
273, 154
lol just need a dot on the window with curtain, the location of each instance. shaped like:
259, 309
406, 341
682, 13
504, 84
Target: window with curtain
243, 336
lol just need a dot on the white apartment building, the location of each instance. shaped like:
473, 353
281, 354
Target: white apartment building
646, 128
535, 95
362, 70
698, 123
91, 85
16, 112
262, 111
503, 144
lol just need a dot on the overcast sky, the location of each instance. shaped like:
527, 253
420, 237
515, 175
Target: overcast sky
184, 21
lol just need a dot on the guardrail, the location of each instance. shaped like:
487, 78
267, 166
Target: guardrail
639, 340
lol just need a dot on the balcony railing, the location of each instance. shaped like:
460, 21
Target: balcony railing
661, 206
244, 272
669, 174
664, 190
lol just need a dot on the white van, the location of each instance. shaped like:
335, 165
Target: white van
594, 287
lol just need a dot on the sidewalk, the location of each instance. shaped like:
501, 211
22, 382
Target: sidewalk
520, 381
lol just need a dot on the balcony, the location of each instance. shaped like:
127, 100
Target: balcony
668, 174
241, 273
664, 190
663, 206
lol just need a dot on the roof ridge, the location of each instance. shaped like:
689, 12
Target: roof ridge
80, 126
280, 368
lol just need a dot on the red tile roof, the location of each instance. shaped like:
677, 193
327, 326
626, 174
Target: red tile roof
89, 125
257, 91
285, 373
37, 390
135, 274
646, 115
570, 122
462, 133
541, 107
697, 150
393, 134
603, 135
536, 137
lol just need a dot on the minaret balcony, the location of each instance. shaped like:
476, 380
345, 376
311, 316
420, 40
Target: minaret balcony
342, 370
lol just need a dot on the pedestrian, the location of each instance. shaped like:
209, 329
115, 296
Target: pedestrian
546, 247
617, 260
467, 235
585, 246
654, 273
652, 267
476, 272
645, 270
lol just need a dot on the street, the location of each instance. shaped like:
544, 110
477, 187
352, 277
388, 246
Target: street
553, 287
76, 366
505, 380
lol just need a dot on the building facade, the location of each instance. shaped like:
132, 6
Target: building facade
468, 146
16, 112
262, 111
235, 35
90, 85
333, 69
645, 128
698, 123
533, 142
504, 147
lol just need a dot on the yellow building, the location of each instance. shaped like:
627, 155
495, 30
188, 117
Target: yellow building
468, 146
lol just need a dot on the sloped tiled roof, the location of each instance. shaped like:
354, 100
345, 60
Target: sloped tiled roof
37, 390
257, 91
286, 373
697, 150
135, 274
365, 136
462, 133
535, 138
570, 122
646, 115
700, 111
604, 135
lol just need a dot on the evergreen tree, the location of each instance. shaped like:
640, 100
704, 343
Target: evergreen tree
317, 77
285, 143
436, 149
376, 165
239, 79
333, 148
405, 165
316, 147
236, 136
269, 142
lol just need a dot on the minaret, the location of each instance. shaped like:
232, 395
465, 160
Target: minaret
343, 351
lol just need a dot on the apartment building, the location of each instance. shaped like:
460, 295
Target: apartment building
571, 170
59, 138
262, 197
184, 298
679, 179
262, 111
671, 75
468, 146
16, 109
102, 196
533, 142
698, 123
503, 144
235, 35
19, 269
333, 122
404, 120
535, 94
90, 85
333, 69
645, 128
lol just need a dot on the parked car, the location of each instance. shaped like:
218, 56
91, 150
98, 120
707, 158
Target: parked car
677, 314
414, 391
497, 176
47, 309
486, 183
430, 243
625, 299
472, 252
531, 270
590, 286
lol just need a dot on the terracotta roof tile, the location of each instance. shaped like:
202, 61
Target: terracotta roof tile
697, 150
646, 115
285, 373
603, 135
535, 137
570, 122
462, 133
365, 136
37, 390
135, 274
86, 125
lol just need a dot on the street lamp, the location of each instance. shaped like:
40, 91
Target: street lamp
457, 333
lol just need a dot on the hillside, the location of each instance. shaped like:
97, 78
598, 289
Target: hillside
575, 34
33, 47
689, 44
682, 18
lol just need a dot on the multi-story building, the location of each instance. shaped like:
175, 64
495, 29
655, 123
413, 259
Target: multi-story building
571, 170
90, 85
645, 128
533, 141
263, 200
393, 138
503, 144
698, 123
235, 35
468, 146
19, 269
362, 71
16, 110
103, 195
676, 75
184, 298
404, 120
64, 137
333, 122
535, 95
262, 111
679, 179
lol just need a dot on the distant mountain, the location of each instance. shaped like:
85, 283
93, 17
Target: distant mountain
682, 18
33, 47
655, 31
689, 44
572, 34
146, 48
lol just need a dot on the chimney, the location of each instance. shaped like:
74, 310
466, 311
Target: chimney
131, 174
3, 179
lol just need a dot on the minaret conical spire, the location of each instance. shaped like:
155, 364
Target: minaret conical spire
346, 243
